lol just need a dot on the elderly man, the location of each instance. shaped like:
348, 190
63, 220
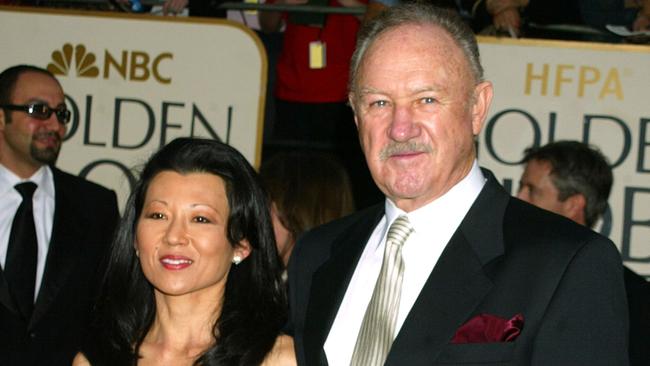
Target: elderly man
54, 227
574, 180
450, 269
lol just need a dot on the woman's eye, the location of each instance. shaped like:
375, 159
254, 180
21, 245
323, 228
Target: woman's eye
202, 220
156, 216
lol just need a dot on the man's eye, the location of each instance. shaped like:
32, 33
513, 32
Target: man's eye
379, 103
428, 100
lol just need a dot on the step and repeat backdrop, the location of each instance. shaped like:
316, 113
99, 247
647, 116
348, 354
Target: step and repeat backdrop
592, 92
135, 83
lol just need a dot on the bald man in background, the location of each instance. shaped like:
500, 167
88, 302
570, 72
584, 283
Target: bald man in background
55, 228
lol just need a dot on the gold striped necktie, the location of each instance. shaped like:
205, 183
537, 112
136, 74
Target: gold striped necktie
378, 328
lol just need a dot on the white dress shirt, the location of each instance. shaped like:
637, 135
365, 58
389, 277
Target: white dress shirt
43, 206
433, 225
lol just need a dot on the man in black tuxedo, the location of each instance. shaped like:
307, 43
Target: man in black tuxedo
450, 269
574, 180
51, 255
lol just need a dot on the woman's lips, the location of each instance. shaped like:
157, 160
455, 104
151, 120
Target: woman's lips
175, 262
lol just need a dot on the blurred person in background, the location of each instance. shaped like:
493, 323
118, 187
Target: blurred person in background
311, 87
573, 179
306, 190
55, 228
509, 16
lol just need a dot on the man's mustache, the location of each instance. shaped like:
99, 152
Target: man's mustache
47, 134
394, 148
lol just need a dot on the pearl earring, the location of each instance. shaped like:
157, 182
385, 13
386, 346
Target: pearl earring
236, 259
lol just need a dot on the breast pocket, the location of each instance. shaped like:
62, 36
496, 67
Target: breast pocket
477, 354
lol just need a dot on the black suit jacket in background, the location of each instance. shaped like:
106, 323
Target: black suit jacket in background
85, 216
506, 257
638, 300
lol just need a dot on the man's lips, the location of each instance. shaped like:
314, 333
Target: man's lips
405, 156
175, 262
48, 139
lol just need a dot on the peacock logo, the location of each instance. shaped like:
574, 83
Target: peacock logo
84, 62
129, 65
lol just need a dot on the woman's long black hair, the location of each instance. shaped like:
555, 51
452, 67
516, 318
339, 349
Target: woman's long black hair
254, 307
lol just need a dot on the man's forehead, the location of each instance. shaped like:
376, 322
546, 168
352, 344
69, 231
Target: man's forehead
410, 89
542, 163
36, 86
540, 168
414, 34
29, 78
428, 40
425, 56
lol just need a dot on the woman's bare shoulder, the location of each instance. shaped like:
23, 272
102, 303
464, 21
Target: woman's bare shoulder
80, 360
282, 353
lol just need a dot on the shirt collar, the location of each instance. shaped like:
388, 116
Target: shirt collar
451, 207
43, 178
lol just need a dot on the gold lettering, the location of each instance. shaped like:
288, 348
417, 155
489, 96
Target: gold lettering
612, 85
584, 79
560, 79
120, 67
139, 62
154, 67
530, 77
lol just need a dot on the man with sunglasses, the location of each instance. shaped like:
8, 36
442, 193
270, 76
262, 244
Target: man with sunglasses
54, 227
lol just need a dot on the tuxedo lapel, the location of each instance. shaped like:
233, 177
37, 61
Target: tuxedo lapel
63, 249
332, 280
5, 297
453, 290
457, 284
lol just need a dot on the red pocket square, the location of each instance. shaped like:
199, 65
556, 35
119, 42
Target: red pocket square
486, 328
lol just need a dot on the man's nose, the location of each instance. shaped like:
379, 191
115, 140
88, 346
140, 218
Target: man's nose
51, 122
403, 126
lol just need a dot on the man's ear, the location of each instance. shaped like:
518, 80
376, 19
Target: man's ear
2, 119
351, 99
574, 208
482, 98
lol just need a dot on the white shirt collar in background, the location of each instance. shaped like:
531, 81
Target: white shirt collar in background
43, 204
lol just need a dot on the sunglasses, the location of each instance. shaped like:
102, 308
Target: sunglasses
41, 111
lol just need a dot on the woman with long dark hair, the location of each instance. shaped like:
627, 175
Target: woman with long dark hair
193, 274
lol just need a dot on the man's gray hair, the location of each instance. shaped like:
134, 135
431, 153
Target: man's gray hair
422, 14
577, 168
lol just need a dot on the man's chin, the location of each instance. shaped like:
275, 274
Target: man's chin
46, 156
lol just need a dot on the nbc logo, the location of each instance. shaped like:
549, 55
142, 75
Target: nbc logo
129, 65
84, 61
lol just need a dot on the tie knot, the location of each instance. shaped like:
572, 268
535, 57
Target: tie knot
400, 230
26, 189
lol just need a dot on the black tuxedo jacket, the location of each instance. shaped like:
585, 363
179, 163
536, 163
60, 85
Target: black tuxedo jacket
506, 257
638, 300
85, 215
